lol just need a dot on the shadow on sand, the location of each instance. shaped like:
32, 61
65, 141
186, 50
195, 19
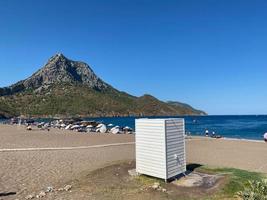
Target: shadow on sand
191, 167
5, 194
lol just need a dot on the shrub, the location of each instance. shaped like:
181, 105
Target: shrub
255, 190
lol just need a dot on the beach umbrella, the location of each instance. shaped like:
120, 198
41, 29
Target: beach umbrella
115, 131
126, 128
110, 125
103, 129
75, 126
99, 125
265, 136
46, 125
68, 127
116, 127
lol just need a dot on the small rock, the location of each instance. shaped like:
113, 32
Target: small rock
67, 187
60, 189
49, 189
163, 190
41, 194
133, 173
156, 185
29, 196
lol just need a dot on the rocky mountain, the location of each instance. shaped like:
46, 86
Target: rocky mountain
58, 70
71, 88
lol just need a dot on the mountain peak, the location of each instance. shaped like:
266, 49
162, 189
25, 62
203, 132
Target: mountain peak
57, 57
60, 55
59, 69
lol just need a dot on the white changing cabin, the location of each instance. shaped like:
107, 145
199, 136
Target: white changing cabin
160, 147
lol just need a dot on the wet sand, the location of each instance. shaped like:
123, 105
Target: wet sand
25, 172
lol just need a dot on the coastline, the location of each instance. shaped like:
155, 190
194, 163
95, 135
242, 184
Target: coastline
245, 127
227, 139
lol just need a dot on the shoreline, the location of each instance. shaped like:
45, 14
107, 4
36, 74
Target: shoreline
227, 138
188, 137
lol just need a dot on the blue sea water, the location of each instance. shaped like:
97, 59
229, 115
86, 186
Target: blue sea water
232, 126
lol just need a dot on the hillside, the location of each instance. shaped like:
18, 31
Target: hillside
185, 108
70, 88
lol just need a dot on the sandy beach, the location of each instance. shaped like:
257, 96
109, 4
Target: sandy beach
24, 172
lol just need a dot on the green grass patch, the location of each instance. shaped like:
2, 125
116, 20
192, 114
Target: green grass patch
148, 180
237, 179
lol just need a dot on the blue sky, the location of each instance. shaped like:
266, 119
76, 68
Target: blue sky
211, 54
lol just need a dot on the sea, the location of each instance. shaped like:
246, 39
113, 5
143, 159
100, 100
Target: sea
250, 127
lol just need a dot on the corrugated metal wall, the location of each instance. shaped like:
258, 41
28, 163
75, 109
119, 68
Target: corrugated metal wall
160, 147
175, 147
150, 147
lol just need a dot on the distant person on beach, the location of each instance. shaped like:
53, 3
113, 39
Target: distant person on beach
207, 132
213, 134
265, 137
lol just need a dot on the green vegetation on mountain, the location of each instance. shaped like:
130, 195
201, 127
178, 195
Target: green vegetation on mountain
185, 108
69, 88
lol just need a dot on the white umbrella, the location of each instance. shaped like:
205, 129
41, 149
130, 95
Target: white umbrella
115, 131
75, 126
103, 129
265, 136
116, 127
99, 125
68, 127
126, 128
110, 125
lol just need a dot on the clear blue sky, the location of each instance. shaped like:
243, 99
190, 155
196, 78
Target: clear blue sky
211, 54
